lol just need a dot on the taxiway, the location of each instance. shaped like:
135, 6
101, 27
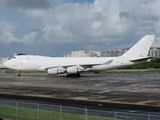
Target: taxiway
142, 89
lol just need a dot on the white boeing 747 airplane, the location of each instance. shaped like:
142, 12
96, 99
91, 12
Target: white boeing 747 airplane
74, 66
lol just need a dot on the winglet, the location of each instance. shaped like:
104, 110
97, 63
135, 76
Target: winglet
141, 48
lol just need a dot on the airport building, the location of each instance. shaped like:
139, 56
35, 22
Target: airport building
82, 53
113, 53
153, 52
79, 53
3, 60
108, 53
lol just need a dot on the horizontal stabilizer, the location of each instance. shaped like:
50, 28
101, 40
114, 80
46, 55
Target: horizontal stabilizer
141, 59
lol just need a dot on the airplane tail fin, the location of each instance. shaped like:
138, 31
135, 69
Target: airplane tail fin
141, 48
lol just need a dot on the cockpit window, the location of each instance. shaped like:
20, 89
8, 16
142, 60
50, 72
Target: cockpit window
12, 58
20, 54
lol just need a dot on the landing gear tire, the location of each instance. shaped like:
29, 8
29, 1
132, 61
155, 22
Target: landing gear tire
74, 75
19, 74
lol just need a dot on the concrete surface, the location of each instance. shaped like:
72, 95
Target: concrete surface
141, 89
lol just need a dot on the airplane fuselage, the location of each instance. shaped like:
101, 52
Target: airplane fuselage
41, 63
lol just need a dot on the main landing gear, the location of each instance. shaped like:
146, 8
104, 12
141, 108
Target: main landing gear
74, 75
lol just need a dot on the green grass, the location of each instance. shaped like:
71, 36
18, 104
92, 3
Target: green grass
10, 112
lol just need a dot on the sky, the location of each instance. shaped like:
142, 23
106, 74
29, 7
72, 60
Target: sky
58, 27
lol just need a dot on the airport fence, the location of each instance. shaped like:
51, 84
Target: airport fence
11, 110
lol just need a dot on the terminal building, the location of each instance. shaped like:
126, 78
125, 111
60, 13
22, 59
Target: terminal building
82, 53
113, 53
153, 52
3, 60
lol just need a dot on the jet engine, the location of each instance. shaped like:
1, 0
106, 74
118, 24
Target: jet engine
74, 69
55, 71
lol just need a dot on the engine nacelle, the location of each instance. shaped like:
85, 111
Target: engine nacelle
72, 70
52, 71
55, 71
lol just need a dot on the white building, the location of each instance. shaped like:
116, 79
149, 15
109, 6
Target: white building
113, 53
94, 54
79, 53
3, 60
82, 53
154, 52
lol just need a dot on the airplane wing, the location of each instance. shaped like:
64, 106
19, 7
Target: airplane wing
71, 68
83, 65
108, 62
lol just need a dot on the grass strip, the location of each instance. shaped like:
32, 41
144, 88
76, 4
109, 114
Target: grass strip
12, 113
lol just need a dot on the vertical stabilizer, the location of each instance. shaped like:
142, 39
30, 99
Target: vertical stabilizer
141, 48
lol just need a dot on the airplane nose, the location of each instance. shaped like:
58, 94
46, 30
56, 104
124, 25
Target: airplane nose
6, 64
11, 64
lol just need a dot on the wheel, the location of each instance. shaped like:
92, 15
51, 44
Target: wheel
78, 75
19, 74
74, 75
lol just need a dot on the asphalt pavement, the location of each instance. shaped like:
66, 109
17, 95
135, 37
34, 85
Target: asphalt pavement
140, 89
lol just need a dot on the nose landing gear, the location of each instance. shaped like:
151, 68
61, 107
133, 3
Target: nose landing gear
19, 74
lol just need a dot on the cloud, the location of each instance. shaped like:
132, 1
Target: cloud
6, 31
7, 35
70, 22
28, 4
94, 25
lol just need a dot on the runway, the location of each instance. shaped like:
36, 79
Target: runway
124, 89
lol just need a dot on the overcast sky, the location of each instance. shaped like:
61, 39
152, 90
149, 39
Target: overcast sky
57, 27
